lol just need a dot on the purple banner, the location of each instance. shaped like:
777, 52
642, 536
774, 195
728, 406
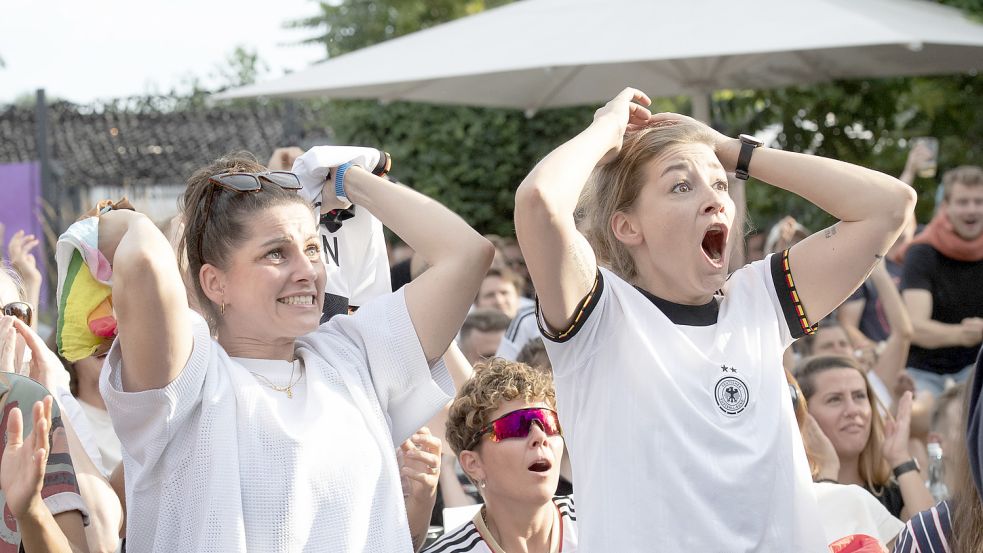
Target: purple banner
20, 209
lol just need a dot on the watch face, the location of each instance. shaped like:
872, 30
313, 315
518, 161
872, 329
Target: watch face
748, 139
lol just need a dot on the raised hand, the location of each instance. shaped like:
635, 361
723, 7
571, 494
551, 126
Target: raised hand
19, 249
11, 352
283, 158
420, 464
897, 429
23, 463
623, 113
45, 367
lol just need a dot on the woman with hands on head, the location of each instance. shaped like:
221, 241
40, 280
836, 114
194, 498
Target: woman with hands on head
312, 415
871, 452
631, 318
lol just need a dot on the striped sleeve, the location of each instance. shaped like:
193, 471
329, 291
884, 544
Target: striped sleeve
788, 297
927, 532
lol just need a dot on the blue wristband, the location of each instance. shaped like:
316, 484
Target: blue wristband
339, 181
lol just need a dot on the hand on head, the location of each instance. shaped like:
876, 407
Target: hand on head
625, 112
23, 463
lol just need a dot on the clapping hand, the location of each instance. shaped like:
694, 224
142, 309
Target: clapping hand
23, 463
897, 429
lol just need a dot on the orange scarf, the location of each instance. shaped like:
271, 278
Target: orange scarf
939, 234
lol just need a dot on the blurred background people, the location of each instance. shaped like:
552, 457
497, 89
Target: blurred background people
943, 269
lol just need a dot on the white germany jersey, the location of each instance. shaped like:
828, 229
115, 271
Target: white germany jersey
474, 537
679, 420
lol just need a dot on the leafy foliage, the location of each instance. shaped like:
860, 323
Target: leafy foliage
472, 159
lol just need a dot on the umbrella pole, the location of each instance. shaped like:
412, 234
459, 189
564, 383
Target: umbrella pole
701, 107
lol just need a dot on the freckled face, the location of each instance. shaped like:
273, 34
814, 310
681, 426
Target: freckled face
685, 215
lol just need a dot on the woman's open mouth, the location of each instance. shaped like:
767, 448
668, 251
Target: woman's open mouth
714, 243
541, 465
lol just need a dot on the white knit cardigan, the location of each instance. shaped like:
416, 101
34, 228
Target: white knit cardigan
210, 465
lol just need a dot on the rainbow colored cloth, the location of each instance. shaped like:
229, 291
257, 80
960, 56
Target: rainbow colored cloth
86, 324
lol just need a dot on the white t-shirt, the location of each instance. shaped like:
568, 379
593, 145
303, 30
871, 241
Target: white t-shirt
213, 464
356, 261
522, 329
848, 510
104, 436
681, 423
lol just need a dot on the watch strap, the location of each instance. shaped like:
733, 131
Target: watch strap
339, 181
907, 466
384, 165
744, 159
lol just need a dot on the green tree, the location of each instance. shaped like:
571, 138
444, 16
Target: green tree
473, 158
353, 24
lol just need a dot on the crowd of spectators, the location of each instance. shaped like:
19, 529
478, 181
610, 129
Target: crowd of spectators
242, 381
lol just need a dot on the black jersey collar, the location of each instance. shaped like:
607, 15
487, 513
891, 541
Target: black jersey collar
686, 315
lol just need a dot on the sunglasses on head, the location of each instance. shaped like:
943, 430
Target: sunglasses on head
246, 182
251, 182
19, 310
516, 424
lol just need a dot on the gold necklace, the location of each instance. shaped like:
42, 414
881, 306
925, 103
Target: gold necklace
288, 389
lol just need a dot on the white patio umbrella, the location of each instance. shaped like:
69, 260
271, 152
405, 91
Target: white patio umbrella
536, 54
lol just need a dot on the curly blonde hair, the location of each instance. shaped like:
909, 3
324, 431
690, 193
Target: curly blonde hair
494, 382
615, 186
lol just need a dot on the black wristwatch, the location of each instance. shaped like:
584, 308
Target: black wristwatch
748, 144
907, 466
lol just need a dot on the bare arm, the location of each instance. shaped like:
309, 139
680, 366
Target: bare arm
420, 472
849, 315
22, 471
831, 264
932, 334
458, 256
105, 511
560, 261
149, 299
895, 451
894, 357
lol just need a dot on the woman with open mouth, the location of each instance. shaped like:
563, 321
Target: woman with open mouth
260, 429
684, 431
504, 430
